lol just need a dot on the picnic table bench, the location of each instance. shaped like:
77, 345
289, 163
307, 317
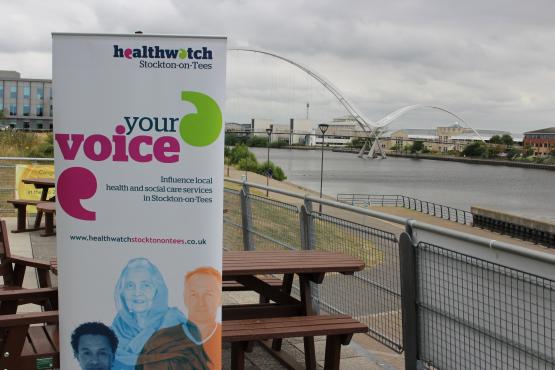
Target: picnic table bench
28, 340
20, 205
12, 270
285, 316
338, 329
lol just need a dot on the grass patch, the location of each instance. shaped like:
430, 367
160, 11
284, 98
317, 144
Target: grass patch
26, 144
281, 223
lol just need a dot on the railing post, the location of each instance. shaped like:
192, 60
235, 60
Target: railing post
407, 259
307, 226
308, 243
246, 218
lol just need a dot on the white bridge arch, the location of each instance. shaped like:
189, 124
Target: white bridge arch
372, 129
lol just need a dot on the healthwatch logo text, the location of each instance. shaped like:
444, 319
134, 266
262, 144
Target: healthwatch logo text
156, 52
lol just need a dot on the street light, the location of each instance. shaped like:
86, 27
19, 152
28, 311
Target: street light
269, 132
323, 128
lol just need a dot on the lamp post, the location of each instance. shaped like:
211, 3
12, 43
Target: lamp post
269, 132
323, 128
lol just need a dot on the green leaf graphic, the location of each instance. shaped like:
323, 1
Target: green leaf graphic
204, 127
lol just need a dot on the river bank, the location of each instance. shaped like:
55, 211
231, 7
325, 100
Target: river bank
494, 162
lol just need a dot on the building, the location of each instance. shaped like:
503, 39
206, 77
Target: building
25, 103
442, 139
542, 142
340, 132
296, 132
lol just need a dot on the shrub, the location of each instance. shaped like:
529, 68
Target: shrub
45, 149
248, 164
277, 172
476, 149
241, 156
233, 139
240, 152
18, 143
257, 141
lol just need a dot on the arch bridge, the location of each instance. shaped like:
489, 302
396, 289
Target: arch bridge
373, 130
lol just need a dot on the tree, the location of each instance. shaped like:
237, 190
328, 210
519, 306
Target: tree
417, 147
240, 152
528, 151
495, 139
356, 142
507, 140
476, 149
232, 139
513, 153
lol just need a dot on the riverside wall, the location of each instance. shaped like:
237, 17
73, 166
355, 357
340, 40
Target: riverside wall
493, 162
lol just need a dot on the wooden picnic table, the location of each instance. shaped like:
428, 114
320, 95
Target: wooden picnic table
251, 268
45, 184
246, 267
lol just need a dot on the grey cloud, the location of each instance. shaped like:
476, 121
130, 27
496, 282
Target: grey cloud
489, 60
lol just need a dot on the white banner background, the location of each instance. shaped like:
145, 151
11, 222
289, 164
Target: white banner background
94, 91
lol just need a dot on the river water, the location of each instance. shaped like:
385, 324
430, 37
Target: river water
516, 190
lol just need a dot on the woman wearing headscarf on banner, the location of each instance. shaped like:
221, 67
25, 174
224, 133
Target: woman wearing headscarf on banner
141, 299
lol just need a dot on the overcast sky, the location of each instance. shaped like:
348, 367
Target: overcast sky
492, 62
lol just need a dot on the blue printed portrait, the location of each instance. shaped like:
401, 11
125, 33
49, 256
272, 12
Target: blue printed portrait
141, 298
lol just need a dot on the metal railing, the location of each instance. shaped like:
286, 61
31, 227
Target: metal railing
372, 295
482, 314
449, 300
430, 208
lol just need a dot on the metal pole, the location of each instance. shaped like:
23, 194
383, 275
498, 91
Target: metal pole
321, 172
407, 264
268, 169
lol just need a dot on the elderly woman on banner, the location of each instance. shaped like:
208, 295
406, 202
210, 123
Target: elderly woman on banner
141, 299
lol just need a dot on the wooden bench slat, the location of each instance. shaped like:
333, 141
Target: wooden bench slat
232, 285
31, 262
286, 327
32, 202
260, 310
294, 320
22, 293
28, 318
274, 333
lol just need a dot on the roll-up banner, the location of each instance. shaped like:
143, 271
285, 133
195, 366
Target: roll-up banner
138, 125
